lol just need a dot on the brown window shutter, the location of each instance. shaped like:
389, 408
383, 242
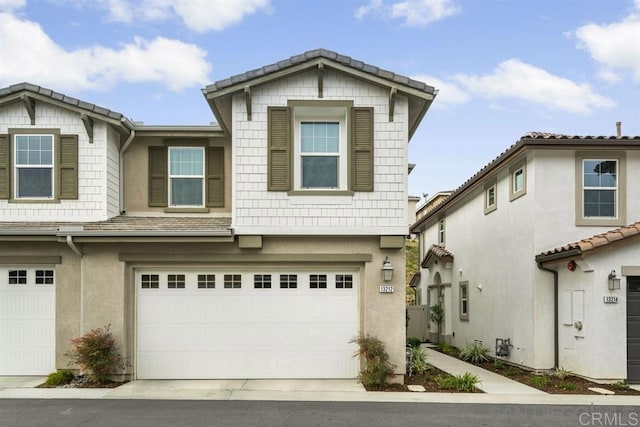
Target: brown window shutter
5, 167
279, 156
158, 176
361, 141
215, 177
68, 167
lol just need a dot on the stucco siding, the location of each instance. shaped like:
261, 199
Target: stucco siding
383, 211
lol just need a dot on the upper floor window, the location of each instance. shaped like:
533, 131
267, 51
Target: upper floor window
441, 231
600, 193
518, 181
490, 197
33, 167
186, 176
464, 300
320, 155
600, 187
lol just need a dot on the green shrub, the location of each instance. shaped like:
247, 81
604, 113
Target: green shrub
498, 365
375, 358
465, 382
539, 381
97, 352
60, 377
446, 348
474, 353
621, 385
413, 342
567, 386
419, 363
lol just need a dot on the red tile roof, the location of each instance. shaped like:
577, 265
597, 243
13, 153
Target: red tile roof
436, 251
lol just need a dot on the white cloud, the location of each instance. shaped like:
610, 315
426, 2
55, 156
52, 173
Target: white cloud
448, 93
518, 80
10, 5
39, 60
414, 13
197, 15
614, 46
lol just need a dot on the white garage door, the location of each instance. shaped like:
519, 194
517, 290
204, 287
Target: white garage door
27, 321
268, 324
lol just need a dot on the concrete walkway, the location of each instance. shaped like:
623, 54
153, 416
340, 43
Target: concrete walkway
489, 382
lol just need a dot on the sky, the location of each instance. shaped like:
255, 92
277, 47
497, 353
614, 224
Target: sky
503, 68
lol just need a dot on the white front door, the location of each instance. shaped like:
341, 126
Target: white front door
234, 324
27, 320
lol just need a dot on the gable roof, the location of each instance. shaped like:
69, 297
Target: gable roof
436, 252
26, 92
420, 95
584, 246
531, 140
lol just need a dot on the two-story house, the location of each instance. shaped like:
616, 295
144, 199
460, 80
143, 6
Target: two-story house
497, 256
252, 248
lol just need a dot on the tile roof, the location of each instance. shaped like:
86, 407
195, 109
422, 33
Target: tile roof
56, 96
591, 243
124, 224
437, 251
530, 139
315, 54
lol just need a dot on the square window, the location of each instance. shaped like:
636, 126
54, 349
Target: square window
150, 281
344, 281
176, 281
17, 277
318, 281
206, 281
33, 166
288, 281
262, 281
232, 281
44, 277
186, 176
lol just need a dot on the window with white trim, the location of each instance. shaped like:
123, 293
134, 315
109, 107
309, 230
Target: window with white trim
600, 188
441, 231
150, 281
17, 277
518, 180
344, 281
186, 176
33, 164
206, 281
232, 281
320, 148
318, 281
44, 277
176, 281
288, 281
262, 281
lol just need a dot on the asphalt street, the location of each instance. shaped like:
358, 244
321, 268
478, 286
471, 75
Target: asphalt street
157, 413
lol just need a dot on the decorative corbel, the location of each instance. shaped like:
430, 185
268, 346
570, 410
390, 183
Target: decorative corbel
30, 106
88, 125
247, 100
320, 79
392, 102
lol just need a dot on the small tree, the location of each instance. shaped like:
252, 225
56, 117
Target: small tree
377, 367
96, 351
437, 315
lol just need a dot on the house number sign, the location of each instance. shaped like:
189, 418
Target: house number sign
610, 299
386, 289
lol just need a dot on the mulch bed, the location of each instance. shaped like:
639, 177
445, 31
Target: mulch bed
426, 380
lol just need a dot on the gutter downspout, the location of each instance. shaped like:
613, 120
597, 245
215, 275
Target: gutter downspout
77, 251
121, 170
556, 351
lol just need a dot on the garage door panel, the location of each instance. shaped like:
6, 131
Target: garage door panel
247, 332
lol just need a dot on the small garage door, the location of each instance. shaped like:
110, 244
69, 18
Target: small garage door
230, 324
27, 321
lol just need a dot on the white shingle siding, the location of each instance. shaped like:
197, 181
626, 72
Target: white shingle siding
256, 210
113, 172
92, 170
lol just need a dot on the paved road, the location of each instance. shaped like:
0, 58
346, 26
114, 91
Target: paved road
157, 413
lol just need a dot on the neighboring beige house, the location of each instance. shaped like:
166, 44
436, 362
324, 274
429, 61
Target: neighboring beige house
252, 248
496, 255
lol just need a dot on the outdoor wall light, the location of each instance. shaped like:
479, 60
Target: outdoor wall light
614, 282
387, 270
